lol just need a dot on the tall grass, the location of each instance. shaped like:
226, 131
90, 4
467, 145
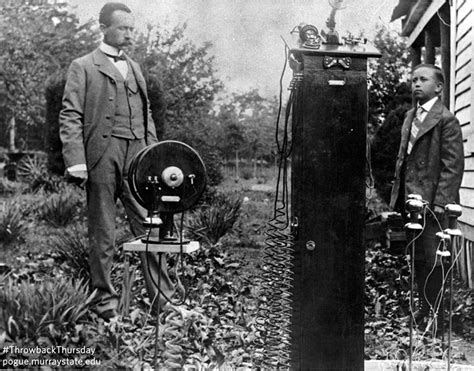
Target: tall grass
12, 222
60, 209
215, 219
72, 248
43, 309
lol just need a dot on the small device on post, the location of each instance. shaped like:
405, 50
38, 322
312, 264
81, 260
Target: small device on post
165, 178
453, 212
414, 206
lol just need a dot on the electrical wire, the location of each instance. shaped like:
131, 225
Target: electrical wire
429, 325
412, 284
370, 183
446, 275
274, 312
442, 20
178, 283
159, 291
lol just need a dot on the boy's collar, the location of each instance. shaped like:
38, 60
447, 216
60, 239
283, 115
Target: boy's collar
429, 104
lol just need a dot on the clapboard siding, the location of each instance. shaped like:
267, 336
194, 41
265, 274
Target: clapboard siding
463, 114
462, 49
467, 197
466, 132
468, 179
463, 72
462, 82
463, 87
464, 99
467, 218
463, 65
465, 23
463, 9
469, 163
463, 251
463, 43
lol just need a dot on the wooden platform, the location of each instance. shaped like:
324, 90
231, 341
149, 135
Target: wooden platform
172, 248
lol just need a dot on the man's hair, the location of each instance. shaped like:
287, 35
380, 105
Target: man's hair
438, 72
105, 14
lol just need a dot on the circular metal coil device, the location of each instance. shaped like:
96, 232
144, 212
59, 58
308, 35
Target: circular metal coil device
167, 177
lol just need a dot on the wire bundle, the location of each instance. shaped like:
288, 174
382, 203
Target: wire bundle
274, 314
438, 306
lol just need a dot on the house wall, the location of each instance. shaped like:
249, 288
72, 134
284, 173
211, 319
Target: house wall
462, 104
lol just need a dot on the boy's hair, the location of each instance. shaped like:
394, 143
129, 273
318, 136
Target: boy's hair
438, 72
105, 14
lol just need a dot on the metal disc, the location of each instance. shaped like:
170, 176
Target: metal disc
154, 193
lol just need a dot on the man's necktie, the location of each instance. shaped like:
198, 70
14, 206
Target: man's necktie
415, 128
116, 58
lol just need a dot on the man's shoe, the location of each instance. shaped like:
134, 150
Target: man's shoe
106, 309
108, 315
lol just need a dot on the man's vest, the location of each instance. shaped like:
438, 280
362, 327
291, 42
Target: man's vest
129, 115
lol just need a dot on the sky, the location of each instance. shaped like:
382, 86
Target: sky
247, 34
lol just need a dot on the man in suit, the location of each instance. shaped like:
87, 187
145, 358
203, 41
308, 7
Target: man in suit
430, 163
105, 120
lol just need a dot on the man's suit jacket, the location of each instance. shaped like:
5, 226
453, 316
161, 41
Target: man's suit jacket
435, 166
87, 116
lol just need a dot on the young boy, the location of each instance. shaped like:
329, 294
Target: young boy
430, 163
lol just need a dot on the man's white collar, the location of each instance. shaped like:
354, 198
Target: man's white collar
109, 49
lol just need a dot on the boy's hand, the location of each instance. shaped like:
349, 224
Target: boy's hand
439, 212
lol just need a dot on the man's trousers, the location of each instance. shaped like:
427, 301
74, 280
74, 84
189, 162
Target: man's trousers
107, 182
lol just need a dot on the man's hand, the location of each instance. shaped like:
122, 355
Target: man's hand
78, 177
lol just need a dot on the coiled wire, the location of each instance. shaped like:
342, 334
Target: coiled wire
275, 308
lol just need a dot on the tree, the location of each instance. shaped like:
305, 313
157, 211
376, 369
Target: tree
187, 78
386, 74
37, 40
389, 98
248, 120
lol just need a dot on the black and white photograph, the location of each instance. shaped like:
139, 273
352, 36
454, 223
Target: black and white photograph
237, 184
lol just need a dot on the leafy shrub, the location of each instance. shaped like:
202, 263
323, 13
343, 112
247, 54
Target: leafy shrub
247, 173
33, 171
386, 283
60, 209
12, 222
43, 309
463, 314
72, 249
212, 221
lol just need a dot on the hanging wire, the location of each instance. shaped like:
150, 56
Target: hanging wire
274, 313
411, 265
183, 291
442, 20
370, 182
436, 307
